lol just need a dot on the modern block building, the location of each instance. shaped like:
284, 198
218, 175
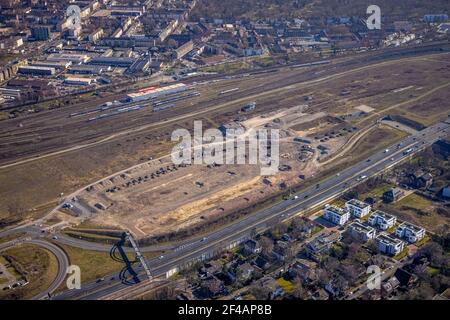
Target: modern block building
389, 245
361, 232
410, 232
382, 220
357, 208
336, 215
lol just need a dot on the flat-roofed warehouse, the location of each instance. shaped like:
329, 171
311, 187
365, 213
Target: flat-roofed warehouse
78, 81
112, 61
75, 58
52, 64
45, 71
154, 92
86, 69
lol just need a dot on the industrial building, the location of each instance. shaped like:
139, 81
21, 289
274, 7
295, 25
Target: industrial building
78, 81
74, 58
41, 33
123, 62
35, 70
183, 50
10, 93
154, 92
86, 69
52, 64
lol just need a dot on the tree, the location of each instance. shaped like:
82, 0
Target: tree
259, 292
322, 277
266, 245
422, 292
299, 291
434, 253
340, 284
172, 44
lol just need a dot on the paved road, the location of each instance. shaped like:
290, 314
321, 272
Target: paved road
63, 261
311, 197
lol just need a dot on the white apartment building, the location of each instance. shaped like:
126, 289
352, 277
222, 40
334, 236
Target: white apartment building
357, 208
361, 232
389, 245
382, 220
410, 232
336, 215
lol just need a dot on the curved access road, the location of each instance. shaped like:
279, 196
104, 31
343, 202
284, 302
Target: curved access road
63, 262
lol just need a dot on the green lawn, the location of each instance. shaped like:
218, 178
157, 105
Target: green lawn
402, 254
287, 286
226, 67
39, 265
422, 241
432, 271
413, 201
378, 192
96, 264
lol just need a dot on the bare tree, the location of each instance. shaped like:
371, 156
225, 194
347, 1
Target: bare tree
266, 245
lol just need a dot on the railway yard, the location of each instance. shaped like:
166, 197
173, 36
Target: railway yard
322, 110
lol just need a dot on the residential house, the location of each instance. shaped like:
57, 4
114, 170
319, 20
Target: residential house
251, 247
210, 268
304, 269
420, 180
389, 245
389, 286
320, 294
382, 220
321, 245
361, 232
446, 192
275, 289
406, 279
211, 287
357, 208
393, 195
410, 232
262, 263
443, 296
227, 277
245, 271
336, 215
282, 250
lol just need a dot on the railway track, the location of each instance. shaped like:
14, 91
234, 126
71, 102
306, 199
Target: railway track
52, 130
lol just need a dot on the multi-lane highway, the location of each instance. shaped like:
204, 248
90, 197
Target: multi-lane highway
309, 198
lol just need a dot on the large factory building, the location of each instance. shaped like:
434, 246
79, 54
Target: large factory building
154, 92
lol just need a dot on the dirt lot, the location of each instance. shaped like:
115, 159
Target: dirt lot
159, 197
